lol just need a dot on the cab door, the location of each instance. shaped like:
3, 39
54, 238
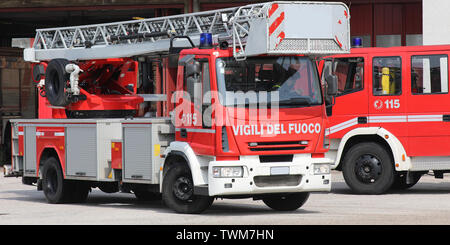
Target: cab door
193, 126
387, 99
351, 99
428, 105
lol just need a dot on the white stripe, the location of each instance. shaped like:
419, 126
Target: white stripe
59, 133
39, 133
343, 125
375, 119
385, 119
327, 131
425, 118
19, 133
198, 130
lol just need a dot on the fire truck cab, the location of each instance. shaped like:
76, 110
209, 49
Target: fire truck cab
389, 123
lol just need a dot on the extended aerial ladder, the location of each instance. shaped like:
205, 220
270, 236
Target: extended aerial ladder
254, 25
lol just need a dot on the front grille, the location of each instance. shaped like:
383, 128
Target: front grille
276, 146
276, 158
277, 180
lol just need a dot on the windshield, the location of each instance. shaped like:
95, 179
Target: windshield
288, 80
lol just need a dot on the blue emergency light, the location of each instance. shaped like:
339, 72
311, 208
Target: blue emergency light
205, 40
357, 42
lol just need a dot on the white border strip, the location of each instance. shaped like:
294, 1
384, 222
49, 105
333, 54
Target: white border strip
385, 119
198, 130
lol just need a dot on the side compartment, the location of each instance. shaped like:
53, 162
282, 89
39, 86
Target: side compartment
30, 151
142, 146
138, 152
17, 148
81, 151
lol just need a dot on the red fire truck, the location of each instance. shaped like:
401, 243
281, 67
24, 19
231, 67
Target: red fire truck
223, 103
389, 122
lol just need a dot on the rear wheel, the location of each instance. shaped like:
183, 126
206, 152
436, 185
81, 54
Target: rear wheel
368, 168
178, 192
58, 190
286, 202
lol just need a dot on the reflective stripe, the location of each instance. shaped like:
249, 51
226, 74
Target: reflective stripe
198, 130
386, 119
375, 119
425, 118
343, 125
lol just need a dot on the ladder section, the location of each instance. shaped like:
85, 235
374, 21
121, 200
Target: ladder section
129, 38
264, 25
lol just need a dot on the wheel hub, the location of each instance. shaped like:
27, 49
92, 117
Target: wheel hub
183, 188
368, 168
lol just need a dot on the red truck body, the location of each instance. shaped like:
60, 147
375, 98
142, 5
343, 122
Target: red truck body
397, 98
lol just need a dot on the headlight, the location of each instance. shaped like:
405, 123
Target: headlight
321, 168
227, 172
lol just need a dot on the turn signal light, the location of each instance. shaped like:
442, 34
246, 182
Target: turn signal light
317, 155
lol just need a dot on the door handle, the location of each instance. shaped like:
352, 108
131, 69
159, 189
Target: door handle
362, 120
183, 133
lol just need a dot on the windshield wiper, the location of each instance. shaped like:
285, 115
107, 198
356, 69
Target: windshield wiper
296, 101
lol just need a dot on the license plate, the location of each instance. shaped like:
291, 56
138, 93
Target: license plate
279, 170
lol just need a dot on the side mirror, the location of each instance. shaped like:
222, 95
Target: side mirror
193, 82
193, 69
332, 88
332, 85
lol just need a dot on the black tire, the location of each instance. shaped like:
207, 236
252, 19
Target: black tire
58, 190
6, 146
56, 79
178, 192
400, 181
286, 202
53, 184
368, 168
143, 194
79, 191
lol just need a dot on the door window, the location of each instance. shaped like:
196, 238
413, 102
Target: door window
387, 76
350, 74
429, 74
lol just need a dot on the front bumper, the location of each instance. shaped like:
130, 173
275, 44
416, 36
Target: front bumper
266, 178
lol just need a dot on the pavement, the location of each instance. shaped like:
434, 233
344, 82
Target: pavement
427, 203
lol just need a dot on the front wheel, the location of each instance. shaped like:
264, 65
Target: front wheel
286, 202
178, 192
368, 168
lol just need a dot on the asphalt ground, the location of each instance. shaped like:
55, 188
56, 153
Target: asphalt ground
427, 203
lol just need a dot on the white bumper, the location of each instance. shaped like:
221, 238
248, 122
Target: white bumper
265, 178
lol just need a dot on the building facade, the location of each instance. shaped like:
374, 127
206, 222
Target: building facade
379, 22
